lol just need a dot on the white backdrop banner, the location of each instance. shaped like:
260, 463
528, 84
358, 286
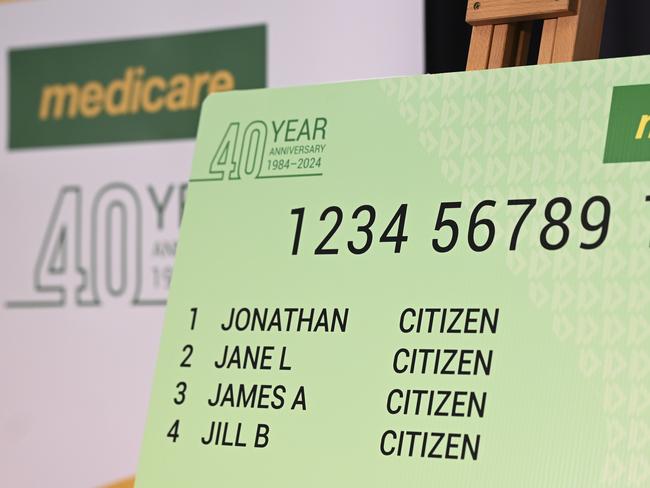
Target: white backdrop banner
100, 102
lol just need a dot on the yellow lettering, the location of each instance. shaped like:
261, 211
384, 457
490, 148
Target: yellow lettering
178, 97
92, 96
221, 80
645, 120
200, 79
122, 88
60, 93
137, 89
134, 92
148, 104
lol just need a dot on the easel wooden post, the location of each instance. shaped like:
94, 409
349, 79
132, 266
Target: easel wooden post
502, 28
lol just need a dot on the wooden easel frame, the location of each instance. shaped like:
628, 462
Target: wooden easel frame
502, 29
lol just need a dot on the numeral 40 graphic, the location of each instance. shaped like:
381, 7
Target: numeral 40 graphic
240, 159
110, 268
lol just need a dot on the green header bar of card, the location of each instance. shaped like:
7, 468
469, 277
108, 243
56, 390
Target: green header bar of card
129, 90
628, 136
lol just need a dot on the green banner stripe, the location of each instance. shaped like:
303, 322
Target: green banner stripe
628, 135
127, 90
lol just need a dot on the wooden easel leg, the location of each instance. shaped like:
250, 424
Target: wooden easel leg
479, 48
504, 45
547, 44
578, 36
523, 43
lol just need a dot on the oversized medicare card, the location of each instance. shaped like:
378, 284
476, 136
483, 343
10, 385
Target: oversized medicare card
427, 281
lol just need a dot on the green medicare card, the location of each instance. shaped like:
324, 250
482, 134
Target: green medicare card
415, 282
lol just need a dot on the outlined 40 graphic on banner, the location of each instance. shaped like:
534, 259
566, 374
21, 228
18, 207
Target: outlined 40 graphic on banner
105, 265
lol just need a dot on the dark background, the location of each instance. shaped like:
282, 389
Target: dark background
626, 33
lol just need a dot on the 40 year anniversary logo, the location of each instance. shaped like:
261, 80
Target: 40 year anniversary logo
283, 148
